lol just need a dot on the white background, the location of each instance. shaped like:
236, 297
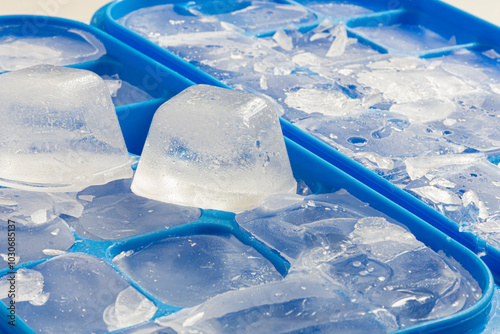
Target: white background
82, 10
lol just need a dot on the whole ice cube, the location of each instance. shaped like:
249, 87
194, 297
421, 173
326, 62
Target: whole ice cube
59, 130
214, 148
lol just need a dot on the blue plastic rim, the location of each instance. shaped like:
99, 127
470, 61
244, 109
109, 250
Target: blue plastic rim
469, 32
321, 175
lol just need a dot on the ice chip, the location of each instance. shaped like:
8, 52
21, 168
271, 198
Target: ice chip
29, 286
417, 167
59, 130
327, 102
130, 308
283, 40
437, 195
214, 148
338, 45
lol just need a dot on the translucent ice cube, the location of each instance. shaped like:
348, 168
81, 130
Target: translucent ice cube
185, 271
79, 288
59, 130
35, 223
314, 221
112, 211
465, 192
370, 258
19, 48
297, 304
214, 148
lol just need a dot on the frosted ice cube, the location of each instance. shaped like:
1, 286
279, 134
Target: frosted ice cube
79, 288
384, 240
20, 49
327, 102
185, 271
34, 217
214, 148
59, 130
112, 211
130, 308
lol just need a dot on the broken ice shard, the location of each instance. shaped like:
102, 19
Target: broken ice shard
59, 130
214, 148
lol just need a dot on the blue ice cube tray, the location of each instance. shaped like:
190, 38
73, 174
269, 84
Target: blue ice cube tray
161, 83
433, 28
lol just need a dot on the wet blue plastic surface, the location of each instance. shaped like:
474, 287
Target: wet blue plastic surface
319, 174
